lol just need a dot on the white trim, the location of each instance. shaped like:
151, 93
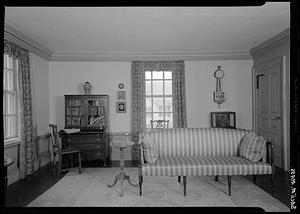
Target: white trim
20, 38
136, 56
278, 40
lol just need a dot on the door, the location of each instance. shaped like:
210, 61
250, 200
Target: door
268, 105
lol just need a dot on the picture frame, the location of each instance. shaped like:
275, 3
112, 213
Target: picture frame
121, 95
121, 107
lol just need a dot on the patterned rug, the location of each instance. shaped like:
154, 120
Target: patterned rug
89, 189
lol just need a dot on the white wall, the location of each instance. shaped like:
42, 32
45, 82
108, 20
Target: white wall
68, 78
200, 84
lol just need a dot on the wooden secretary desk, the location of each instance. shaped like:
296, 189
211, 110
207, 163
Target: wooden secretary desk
89, 113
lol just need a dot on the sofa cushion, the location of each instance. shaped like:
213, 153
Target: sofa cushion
150, 149
252, 147
205, 165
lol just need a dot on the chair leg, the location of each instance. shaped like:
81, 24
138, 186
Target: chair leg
79, 162
216, 177
59, 165
179, 178
229, 184
184, 185
272, 183
140, 183
254, 179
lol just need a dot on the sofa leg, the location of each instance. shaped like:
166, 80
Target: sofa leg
179, 178
140, 184
216, 177
229, 184
254, 179
184, 185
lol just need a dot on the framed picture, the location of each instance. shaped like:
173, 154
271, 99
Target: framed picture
121, 106
121, 95
223, 119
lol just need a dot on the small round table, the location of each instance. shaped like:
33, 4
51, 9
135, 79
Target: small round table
122, 176
7, 163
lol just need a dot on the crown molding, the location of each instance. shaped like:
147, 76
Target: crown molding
281, 40
136, 56
21, 39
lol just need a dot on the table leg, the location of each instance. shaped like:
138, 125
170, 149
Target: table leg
127, 177
117, 177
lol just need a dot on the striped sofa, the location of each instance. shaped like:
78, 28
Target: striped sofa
201, 151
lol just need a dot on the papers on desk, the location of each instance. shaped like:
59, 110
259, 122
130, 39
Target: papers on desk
69, 131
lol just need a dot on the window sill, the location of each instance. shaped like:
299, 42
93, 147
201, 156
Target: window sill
11, 143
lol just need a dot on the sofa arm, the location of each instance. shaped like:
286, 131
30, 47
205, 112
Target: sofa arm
270, 153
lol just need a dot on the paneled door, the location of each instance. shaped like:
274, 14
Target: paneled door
268, 105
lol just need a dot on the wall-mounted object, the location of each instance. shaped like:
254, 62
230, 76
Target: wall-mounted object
121, 85
121, 106
87, 88
219, 95
223, 119
121, 95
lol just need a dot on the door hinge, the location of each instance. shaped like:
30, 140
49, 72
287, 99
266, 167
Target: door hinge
257, 80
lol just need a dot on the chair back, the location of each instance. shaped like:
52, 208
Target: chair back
159, 124
54, 137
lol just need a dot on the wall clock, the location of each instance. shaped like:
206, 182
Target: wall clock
121, 85
219, 95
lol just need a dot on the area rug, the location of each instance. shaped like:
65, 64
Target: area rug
89, 189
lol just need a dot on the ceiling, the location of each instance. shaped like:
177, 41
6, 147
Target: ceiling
149, 30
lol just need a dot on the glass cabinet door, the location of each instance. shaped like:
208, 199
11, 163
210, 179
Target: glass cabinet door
96, 113
75, 116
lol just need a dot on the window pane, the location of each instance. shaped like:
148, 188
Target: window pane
9, 80
169, 116
148, 118
157, 75
4, 80
158, 116
157, 87
9, 62
168, 104
168, 87
158, 104
148, 75
148, 87
148, 104
168, 74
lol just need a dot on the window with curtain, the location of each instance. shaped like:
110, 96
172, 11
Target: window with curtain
10, 98
159, 102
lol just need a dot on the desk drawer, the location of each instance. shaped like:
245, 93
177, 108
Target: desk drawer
87, 139
89, 146
96, 154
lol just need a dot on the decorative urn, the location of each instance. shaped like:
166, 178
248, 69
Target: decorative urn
87, 88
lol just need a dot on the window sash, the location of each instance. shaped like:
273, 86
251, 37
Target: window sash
163, 96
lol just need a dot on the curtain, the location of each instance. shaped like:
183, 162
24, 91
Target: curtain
26, 158
138, 68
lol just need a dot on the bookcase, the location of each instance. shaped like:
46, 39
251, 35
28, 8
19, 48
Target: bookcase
89, 113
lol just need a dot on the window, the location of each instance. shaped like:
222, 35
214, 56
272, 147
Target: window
159, 103
10, 98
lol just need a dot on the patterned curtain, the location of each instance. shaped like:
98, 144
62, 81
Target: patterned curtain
138, 69
26, 144
179, 103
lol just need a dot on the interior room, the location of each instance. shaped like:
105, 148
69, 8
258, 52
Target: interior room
87, 92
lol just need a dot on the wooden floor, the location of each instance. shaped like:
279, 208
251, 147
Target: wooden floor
21, 193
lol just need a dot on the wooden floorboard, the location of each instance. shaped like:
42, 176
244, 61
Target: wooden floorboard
21, 193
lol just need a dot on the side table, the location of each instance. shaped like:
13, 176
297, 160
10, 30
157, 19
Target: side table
7, 163
122, 176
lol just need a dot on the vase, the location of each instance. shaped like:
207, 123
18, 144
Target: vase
87, 88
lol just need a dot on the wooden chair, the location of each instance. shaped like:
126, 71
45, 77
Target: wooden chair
159, 124
58, 152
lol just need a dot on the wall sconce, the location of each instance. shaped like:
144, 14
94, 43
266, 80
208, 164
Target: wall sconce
219, 95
